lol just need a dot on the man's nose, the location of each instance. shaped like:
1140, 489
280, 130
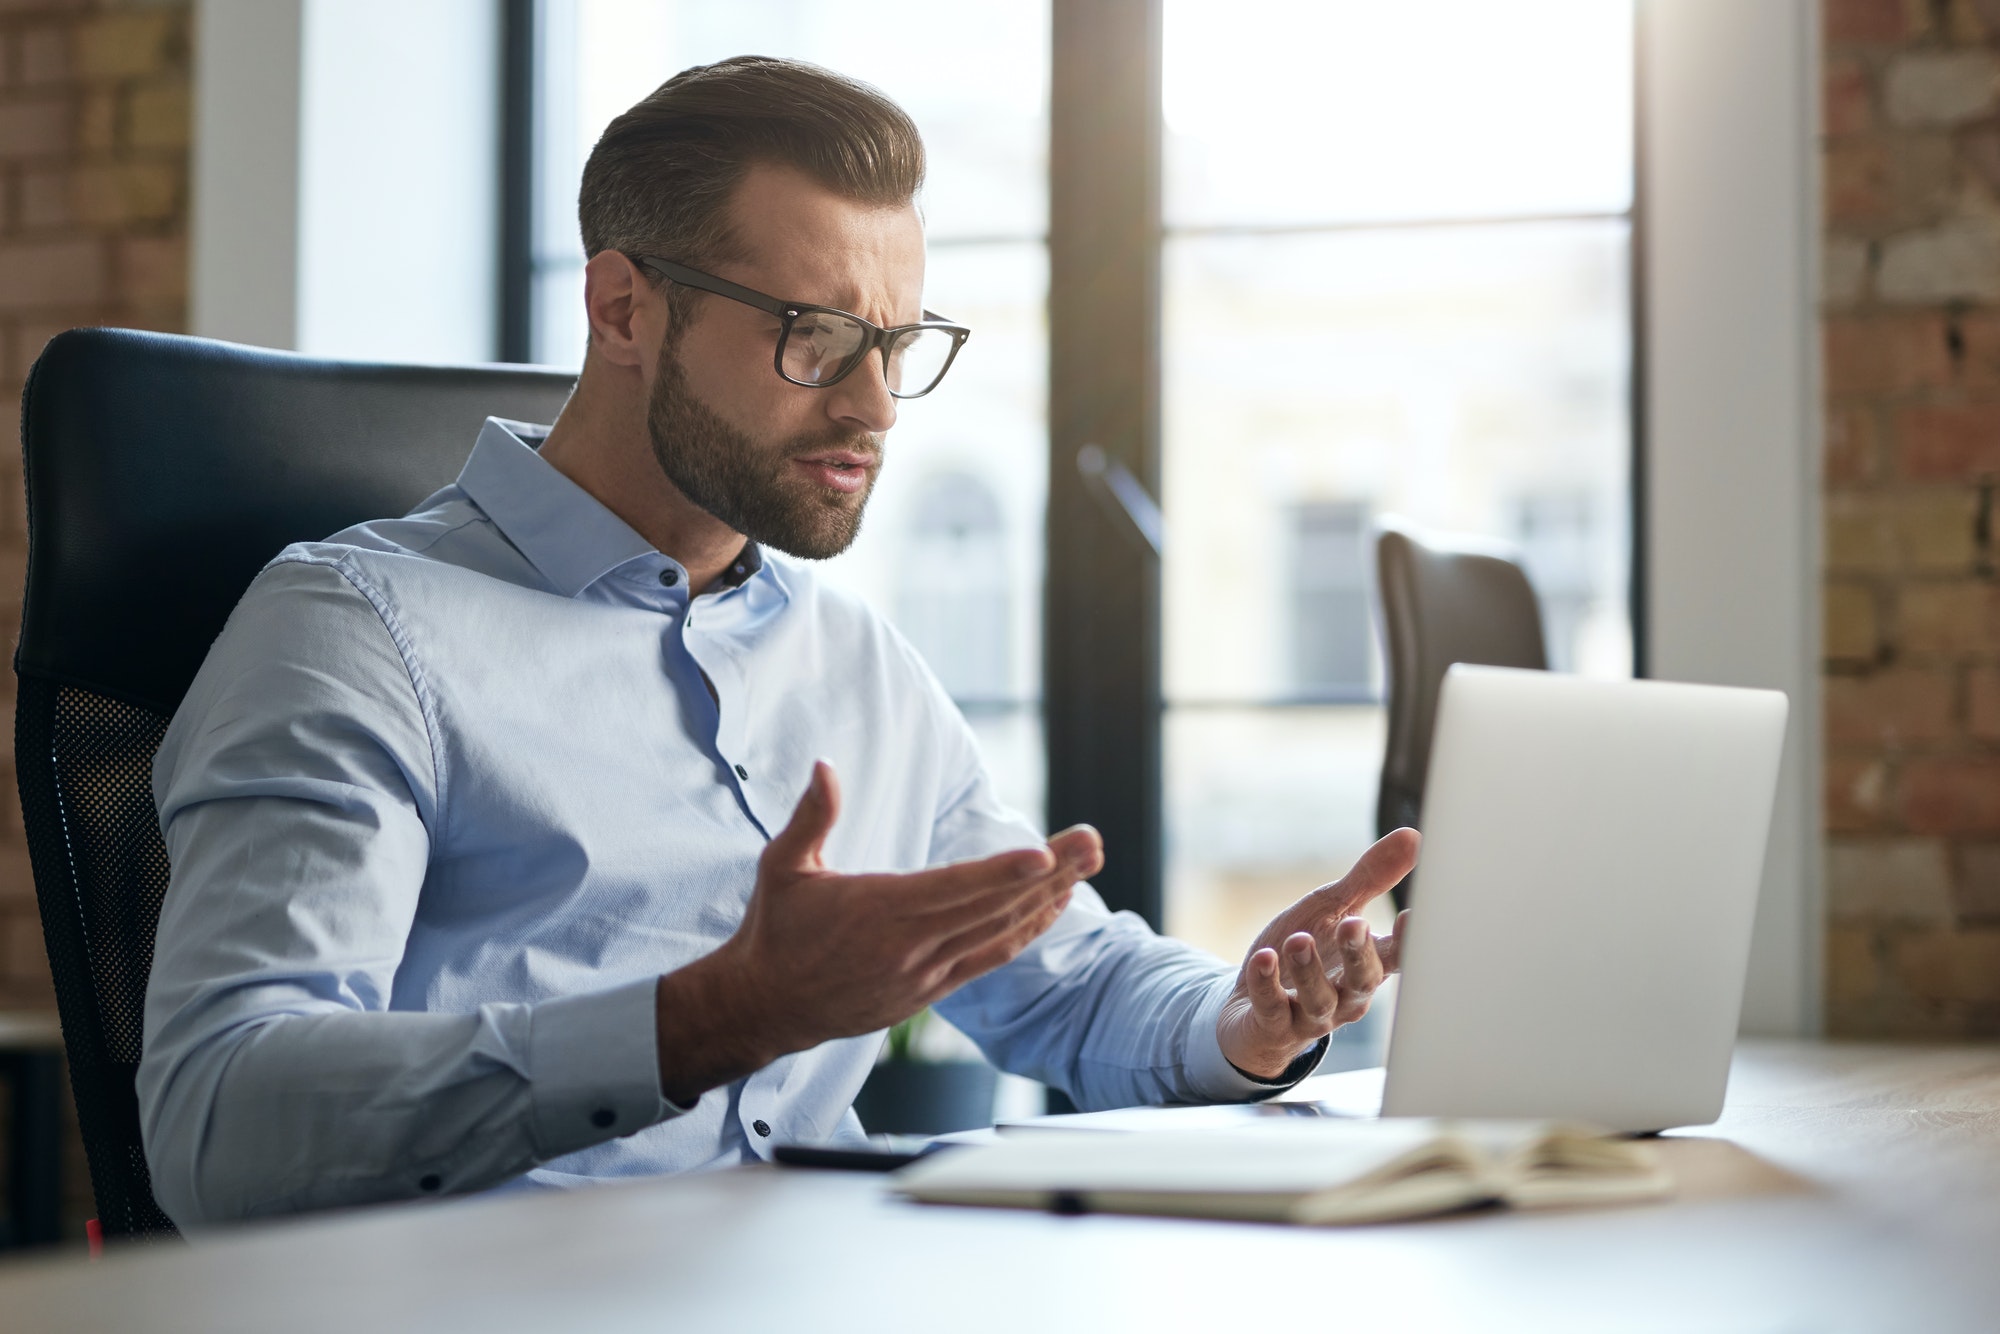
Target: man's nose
863, 398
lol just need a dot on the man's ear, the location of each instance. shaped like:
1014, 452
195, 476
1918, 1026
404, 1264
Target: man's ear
627, 317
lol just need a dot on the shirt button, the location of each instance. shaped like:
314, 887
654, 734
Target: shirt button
741, 772
762, 1128
670, 577
432, 1181
604, 1118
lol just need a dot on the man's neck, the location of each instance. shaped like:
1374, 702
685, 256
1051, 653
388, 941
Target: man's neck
608, 454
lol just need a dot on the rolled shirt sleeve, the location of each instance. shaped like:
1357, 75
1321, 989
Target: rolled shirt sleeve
298, 789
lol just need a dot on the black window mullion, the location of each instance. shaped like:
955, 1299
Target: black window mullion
1102, 646
517, 180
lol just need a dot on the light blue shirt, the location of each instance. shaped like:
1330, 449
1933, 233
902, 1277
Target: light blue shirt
450, 793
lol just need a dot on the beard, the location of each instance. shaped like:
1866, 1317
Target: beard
752, 487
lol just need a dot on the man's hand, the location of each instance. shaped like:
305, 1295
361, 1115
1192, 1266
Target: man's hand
1286, 997
822, 955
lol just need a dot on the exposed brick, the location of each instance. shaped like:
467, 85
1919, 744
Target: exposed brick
1964, 966
31, 335
1867, 354
1977, 896
127, 192
44, 55
1949, 618
158, 114
1870, 22
1889, 880
1850, 626
1934, 531
1843, 271
1851, 450
44, 200
1897, 708
1979, 354
126, 45
1982, 704
1979, 152
1855, 177
1948, 443
1956, 260
1852, 971
153, 268
1950, 795
1939, 87
35, 129
1845, 106
1856, 794
97, 121
50, 273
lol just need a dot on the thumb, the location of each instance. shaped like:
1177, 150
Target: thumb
1379, 869
797, 846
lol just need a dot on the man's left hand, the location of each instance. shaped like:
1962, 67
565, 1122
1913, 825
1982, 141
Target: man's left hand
1287, 997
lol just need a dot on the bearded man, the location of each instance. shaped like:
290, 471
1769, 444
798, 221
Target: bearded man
507, 845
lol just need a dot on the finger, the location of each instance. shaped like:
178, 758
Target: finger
975, 959
1306, 975
798, 845
1268, 1000
1378, 870
966, 884
1389, 948
1081, 848
1360, 967
1033, 913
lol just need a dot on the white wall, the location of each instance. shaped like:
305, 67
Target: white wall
1732, 469
243, 258
346, 196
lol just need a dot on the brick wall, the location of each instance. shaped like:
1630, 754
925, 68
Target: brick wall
1911, 328
93, 230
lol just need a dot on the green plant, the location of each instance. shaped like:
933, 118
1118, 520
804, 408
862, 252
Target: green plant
903, 1036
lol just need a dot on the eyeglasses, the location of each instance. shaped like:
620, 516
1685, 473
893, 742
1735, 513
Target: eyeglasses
820, 346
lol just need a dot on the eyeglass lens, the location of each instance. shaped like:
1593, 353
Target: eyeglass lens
823, 346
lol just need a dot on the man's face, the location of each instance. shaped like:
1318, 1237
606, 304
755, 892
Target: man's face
787, 466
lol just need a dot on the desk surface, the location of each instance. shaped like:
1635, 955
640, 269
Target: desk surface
1846, 1188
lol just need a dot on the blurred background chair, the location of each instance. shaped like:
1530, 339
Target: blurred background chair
162, 473
1442, 599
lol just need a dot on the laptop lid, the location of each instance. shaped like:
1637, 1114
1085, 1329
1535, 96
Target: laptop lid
1592, 854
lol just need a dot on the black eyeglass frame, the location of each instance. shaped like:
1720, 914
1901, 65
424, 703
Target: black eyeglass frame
790, 311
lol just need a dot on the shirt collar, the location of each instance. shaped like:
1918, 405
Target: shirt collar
561, 528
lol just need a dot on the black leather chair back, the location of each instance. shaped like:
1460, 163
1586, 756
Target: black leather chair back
162, 473
1440, 603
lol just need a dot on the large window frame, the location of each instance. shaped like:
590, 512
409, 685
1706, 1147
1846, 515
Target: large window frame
1102, 687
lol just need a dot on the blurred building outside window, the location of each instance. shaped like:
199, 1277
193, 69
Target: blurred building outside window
1397, 242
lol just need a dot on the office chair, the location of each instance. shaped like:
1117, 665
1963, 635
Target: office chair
162, 473
1442, 600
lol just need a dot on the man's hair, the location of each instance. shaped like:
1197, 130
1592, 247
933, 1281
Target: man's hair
660, 179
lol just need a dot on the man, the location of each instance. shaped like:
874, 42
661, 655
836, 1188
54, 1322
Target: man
490, 859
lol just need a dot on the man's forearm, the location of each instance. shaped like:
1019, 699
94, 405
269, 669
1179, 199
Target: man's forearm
710, 1029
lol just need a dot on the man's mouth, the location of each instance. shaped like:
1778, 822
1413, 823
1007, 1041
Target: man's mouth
843, 470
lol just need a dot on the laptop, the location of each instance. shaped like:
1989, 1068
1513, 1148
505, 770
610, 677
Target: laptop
1592, 855
1583, 904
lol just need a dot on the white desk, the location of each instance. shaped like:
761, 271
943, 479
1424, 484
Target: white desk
1847, 1188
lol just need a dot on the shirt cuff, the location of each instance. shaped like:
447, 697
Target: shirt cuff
594, 1068
1209, 1071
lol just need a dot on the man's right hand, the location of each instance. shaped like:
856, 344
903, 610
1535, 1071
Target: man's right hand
822, 955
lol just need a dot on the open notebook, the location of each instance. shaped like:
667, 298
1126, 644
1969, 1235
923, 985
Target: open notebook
1296, 1170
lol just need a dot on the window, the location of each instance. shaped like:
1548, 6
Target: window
1395, 281
1320, 261
952, 547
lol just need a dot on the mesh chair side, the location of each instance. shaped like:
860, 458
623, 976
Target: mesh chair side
84, 765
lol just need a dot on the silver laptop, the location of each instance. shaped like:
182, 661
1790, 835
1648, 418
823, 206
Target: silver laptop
1592, 853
